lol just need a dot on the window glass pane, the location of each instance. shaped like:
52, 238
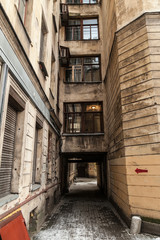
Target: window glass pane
87, 73
97, 122
76, 33
93, 1
91, 60
85, 1
90, 21
68, 122
73, 33
69, 108
88, 127
68, 75
86, 32
74, 22
21, 8
77, 123
68, 33
75, 61
76, 107
94, 32
73, 1
95, 73
77, 74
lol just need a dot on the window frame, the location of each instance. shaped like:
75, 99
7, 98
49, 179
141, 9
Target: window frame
37, 151
72, 67
49, 159
23, 18
81, 29
83, 113
16, 103
81, 3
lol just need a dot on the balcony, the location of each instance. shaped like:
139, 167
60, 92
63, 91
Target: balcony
64, 55
64, 14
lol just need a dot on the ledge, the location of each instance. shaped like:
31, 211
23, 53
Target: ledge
35, 187
83, 40
7, 199
81, 134
24, 28
98, 82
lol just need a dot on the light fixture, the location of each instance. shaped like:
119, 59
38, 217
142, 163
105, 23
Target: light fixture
93, 107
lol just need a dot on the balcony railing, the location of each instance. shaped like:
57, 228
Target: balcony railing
64, 55
64, 14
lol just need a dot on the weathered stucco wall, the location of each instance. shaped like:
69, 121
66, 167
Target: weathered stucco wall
116, 172
138, 50
29, 85
127, 11
108, 23
29, 34
81, 92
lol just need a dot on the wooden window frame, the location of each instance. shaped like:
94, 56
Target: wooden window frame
72, 67
83, 114
73, 27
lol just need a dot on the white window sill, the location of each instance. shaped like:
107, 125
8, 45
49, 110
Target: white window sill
7, 199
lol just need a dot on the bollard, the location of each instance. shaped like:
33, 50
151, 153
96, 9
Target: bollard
135, 225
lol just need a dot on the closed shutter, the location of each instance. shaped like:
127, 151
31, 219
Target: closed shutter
8, 152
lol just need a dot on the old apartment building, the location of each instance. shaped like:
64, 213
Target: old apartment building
79, 83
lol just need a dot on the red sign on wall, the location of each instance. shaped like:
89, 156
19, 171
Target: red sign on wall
141, 170
14, 228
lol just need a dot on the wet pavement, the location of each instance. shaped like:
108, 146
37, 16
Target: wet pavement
85, 214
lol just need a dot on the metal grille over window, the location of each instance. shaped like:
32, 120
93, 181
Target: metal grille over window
83, 118
8, 152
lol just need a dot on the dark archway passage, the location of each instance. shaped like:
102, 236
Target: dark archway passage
85, 214
83, 165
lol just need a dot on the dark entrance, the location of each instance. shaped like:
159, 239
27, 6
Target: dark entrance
85, 165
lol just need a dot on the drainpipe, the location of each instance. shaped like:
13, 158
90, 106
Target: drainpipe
3, 82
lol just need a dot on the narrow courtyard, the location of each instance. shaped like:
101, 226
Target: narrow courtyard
85, 214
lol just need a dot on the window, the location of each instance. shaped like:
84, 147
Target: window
12, 148
81, 1
8, 152
49, 158
22, 8
43, 48
36, 169
83, 69
82, 29
25, 13
83, 117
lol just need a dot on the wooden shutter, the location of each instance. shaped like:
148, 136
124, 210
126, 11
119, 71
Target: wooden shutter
8, 152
